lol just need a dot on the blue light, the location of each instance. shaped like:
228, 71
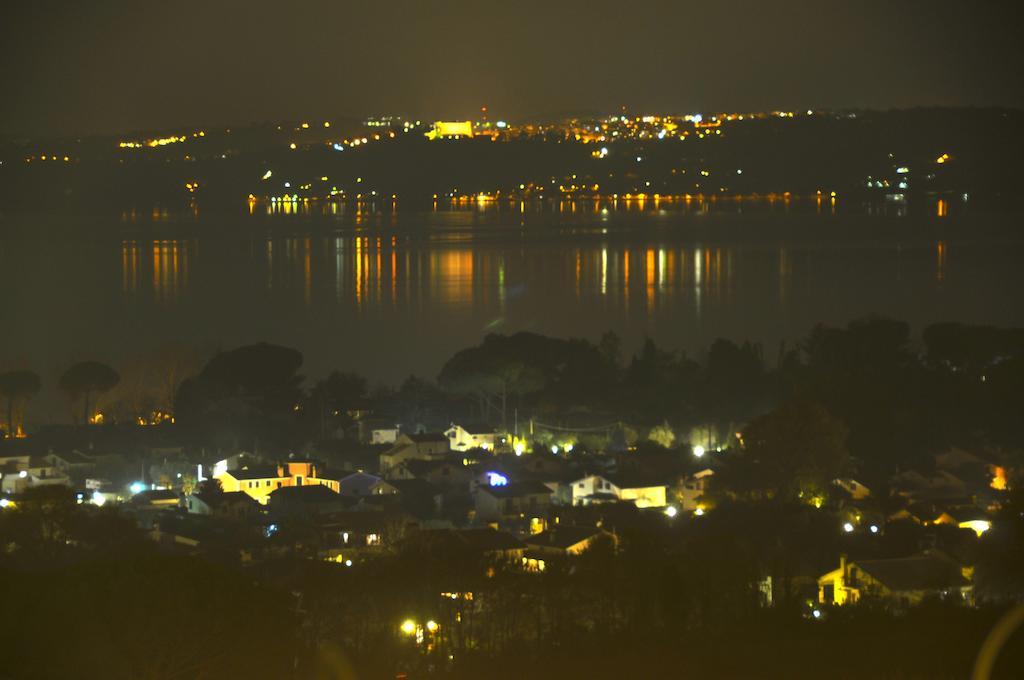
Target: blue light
337, 147
271, 530
137, 487
496, 479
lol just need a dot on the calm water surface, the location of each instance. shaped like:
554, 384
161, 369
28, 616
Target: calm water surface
389, 292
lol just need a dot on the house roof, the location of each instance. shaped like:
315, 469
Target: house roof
476, 428
224, 498
626, 480
921, 572
154, 495
256, 472
415, 486
487, 540
964, 513
428, 437
562, 537
634, 480
73, 457
419, 468
357, 484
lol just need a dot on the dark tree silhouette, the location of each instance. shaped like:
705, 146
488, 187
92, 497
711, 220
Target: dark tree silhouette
251, 391
86, 379
16, 386
799, 448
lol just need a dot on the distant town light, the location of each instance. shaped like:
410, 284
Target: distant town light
671, 511
568, 447
847, 527
874, 528
432, 626
408, 626
98, 499
816, 613
699, 511
348, 563
554, 448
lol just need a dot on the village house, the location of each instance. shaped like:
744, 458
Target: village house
20, 472
566, 540
607, 488
226, 505
157, 498
900, 582
430, 446
447, 474
260, 481
362, 484
693, 488
471, 436
513, 500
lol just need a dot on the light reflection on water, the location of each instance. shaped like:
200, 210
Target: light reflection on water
392, 293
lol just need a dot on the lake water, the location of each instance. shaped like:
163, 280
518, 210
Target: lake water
388, 292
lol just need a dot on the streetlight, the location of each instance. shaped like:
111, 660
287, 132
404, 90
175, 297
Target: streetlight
671, 511
409, 627
698, 451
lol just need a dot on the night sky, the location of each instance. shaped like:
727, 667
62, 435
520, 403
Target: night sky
115, 65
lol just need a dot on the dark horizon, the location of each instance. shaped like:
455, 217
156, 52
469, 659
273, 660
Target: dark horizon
111, 66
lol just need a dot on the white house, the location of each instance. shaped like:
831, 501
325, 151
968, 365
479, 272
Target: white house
693, 487
602, 488
384, 435
471, 436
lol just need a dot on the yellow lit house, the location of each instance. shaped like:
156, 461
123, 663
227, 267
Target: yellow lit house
903, 581
260, 481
